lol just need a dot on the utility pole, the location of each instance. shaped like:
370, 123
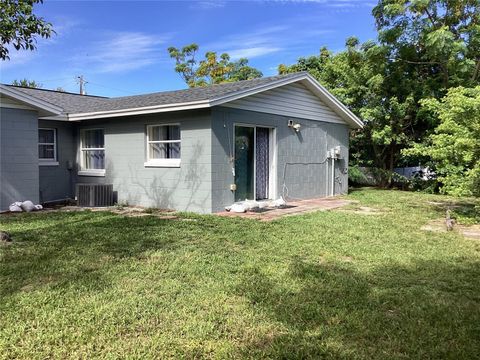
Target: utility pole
82, 83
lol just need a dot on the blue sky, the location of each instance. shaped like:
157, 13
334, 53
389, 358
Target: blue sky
120, 46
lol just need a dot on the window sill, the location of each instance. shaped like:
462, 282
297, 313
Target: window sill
91, 173
48, 163
171, 163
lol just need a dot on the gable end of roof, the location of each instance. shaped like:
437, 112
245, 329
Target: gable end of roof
32, 101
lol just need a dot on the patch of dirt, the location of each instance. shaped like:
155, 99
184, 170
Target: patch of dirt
437, 225
167, 217
364, 210
468, 231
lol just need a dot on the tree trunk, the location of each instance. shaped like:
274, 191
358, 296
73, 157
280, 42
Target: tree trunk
391, 164
476, 71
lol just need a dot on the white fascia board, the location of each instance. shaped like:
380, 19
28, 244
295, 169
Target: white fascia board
139, 111
30, 100
309, 81
312, 84
334, 103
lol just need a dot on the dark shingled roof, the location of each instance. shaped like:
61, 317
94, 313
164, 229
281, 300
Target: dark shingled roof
75, 103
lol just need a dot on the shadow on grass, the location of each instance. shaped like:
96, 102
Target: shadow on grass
425, 309
428, 309
75, 249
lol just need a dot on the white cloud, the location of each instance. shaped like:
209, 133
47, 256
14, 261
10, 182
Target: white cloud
209, 4
124, 51
252, 52
62, 27
266, 40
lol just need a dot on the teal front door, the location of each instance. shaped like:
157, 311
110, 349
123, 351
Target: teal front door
244, 162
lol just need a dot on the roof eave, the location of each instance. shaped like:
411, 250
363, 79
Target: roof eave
340, 109
345, 113
139, 111
255, 90
351, 119
31, 100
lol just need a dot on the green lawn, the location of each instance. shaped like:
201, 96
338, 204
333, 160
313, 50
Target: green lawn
323, 285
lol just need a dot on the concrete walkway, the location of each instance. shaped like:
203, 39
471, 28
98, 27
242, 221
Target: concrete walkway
292, 208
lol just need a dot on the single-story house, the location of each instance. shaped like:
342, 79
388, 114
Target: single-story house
198, 149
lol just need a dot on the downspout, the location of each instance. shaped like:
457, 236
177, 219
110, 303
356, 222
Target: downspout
333, 175
326, 174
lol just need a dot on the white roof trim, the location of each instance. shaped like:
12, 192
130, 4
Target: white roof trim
340, 109
308, 80
30, 100
336, 104
331, 101
139, 111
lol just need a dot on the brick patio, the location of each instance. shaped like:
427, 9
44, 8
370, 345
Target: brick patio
293, 208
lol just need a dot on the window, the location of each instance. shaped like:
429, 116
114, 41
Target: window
47, 146
92, 148
163, 145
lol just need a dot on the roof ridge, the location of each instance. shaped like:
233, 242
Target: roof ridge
55, 91
215, 85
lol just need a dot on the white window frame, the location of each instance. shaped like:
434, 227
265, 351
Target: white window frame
89, 172
162, 162
54, 161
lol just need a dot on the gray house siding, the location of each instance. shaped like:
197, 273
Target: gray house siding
203, 180
19, 176
293, 100
186, 188
309, 146
57, 181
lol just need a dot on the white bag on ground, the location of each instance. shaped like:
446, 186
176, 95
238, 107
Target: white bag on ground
250, 205
15, 207
28, 206
238, 208
279, 202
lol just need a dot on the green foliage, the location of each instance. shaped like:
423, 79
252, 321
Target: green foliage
424, 47
213, 69
440, 37
364, 79
454, 147
19, 26
27, 83
356, 176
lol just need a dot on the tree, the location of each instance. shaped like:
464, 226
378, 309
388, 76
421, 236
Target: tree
242, 71
365, 80
424, 47
19, 26
213, 69
27, 83
440, 37
454, 147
